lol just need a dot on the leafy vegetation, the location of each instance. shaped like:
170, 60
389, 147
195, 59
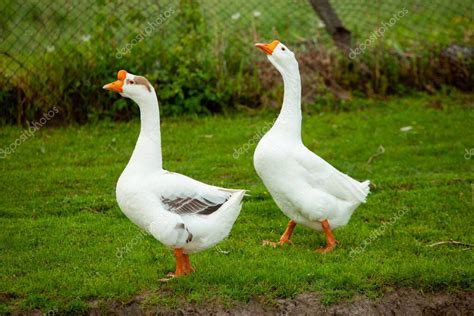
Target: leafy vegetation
65, 243
201, 57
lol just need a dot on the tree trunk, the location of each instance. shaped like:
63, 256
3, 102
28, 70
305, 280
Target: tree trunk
341, 35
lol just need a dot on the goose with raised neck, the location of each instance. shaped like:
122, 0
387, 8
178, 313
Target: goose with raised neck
306, 188
184, 214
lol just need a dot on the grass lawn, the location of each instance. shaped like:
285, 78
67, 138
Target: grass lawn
64, 242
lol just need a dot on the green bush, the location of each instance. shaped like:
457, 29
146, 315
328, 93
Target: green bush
199, 69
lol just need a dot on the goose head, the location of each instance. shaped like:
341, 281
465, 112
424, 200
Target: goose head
280, 56
137, 88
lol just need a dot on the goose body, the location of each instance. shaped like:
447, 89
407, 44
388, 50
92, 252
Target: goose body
306, 188
180, 212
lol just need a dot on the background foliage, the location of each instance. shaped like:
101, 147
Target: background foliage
201, 58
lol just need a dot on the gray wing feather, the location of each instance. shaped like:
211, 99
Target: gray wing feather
190, 205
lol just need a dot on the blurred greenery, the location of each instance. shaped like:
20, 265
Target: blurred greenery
200, 55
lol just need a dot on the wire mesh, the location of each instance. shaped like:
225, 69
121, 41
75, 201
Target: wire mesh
35, 28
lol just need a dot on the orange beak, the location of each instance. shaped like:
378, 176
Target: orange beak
114, 86
117, 86
268, 48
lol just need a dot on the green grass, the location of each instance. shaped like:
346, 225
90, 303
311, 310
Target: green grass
61, 227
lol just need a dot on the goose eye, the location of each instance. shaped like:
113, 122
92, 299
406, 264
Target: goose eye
283, 48
130, 81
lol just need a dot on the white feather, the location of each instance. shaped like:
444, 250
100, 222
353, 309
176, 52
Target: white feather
304, 186
147, 194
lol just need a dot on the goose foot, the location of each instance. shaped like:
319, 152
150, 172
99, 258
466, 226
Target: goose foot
170, 276
275, 244
330, 240
284, 239
325, 249
187, 268
183, 266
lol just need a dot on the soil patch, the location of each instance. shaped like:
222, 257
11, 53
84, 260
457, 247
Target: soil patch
398, 302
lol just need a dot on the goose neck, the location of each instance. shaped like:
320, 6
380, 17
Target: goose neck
290, 115
147, 153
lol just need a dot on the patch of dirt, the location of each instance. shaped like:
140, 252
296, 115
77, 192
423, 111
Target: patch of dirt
397, 302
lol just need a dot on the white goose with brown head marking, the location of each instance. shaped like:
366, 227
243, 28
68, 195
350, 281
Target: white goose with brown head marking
182, 213
305, 187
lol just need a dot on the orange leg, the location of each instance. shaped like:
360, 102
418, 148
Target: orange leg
180, 265
330, 240
285, 238
187, 265
178, 252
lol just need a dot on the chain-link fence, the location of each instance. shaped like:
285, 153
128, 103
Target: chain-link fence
33, 28
201, 52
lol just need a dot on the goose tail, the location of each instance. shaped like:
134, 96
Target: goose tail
223, 219
365, 187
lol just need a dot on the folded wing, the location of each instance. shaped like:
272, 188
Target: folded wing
325, 177
192, 197
191, 205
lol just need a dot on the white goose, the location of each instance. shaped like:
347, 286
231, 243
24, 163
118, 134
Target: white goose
305, 187
182, 213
